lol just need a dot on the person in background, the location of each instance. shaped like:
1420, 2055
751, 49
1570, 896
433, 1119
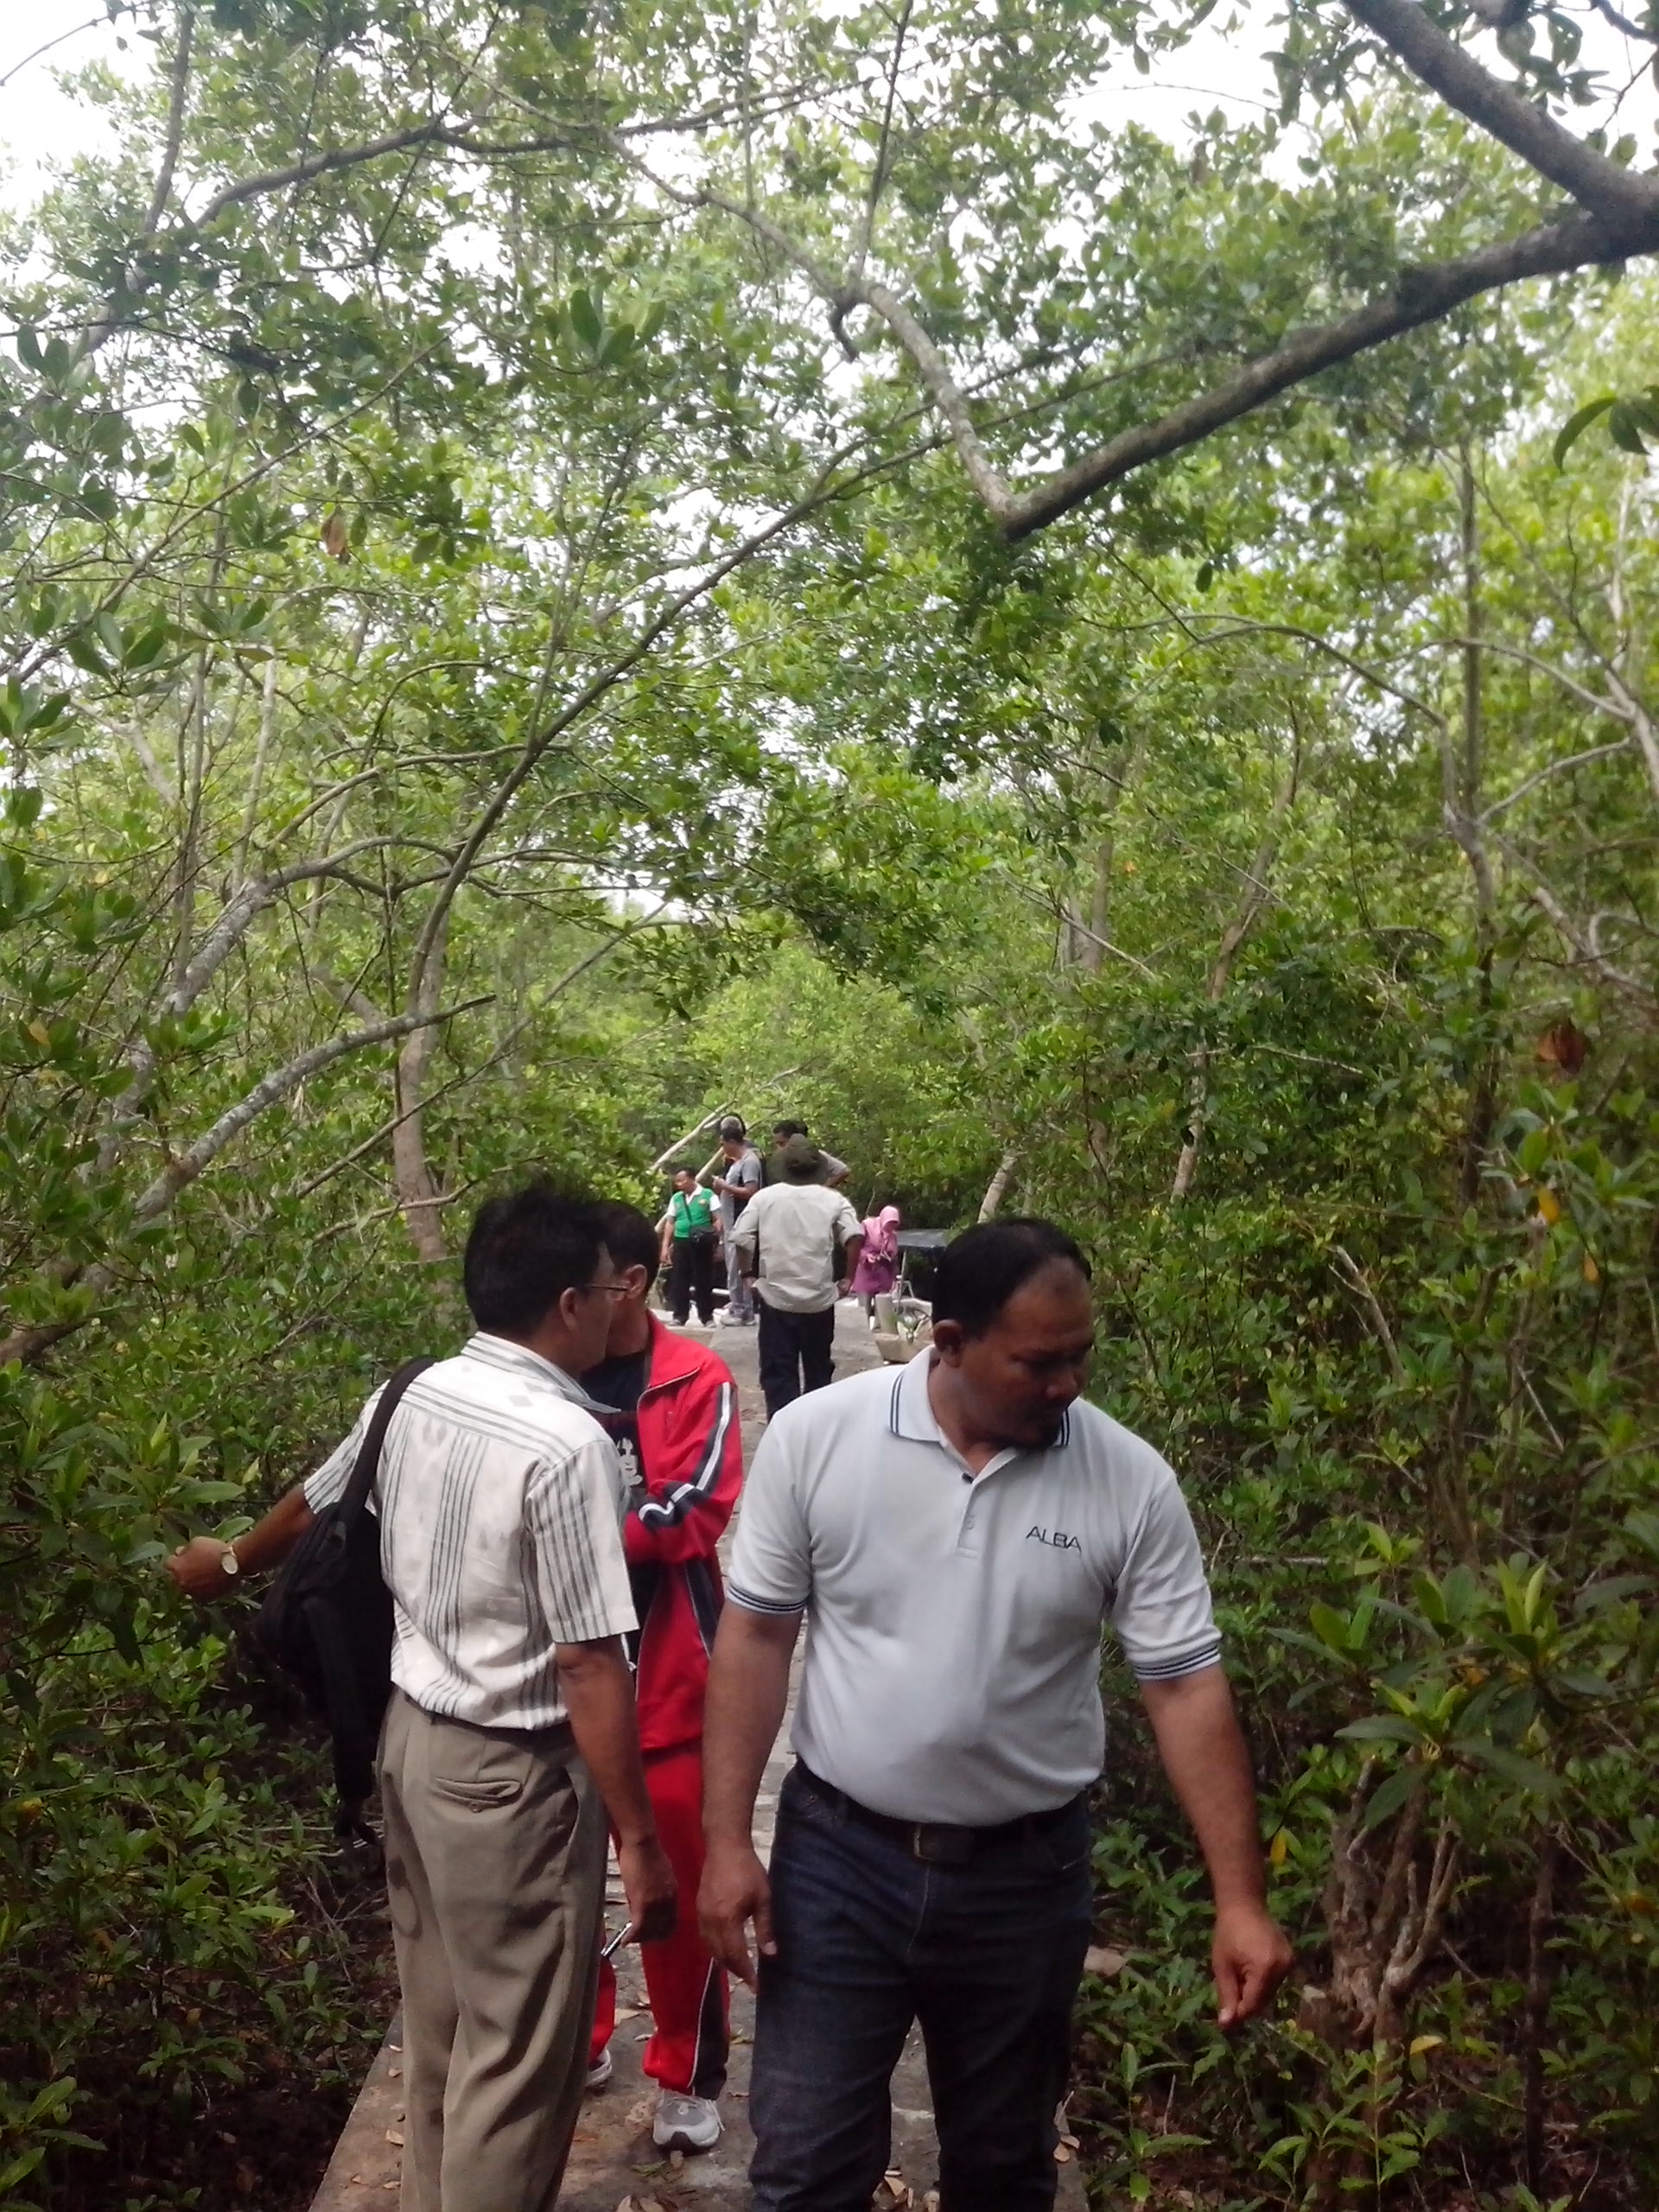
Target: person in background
956, 1534
690, 1241
736, 1180
510, 1732
670, 1406
878, 1262
799, 1243
833, 1173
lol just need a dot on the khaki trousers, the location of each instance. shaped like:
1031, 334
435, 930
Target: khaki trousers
495, 1867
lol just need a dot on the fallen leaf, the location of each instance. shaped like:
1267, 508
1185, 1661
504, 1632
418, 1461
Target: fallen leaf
1100, 1959
392, 2073
395, 2135
1062, 2155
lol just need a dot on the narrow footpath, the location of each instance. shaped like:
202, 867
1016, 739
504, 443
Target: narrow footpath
613, 2159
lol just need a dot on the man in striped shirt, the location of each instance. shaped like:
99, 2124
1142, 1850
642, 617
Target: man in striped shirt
512, 1735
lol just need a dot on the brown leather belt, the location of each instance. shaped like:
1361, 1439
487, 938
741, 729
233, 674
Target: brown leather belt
936, 1842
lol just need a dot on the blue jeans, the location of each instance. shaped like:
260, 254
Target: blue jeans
987, 1956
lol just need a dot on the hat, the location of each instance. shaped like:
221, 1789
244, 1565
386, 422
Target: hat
801, 1160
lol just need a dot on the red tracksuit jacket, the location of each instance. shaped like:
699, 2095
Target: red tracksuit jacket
691, 1460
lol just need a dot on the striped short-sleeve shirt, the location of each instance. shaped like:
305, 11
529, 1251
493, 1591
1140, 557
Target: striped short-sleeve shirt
501, 1503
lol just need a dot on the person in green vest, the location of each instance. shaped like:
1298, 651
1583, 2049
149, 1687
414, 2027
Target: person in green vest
689, 1243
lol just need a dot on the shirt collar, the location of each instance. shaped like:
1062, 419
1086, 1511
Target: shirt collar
911, 1414
501, 1352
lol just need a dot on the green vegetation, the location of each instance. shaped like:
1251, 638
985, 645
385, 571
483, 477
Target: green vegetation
565, 569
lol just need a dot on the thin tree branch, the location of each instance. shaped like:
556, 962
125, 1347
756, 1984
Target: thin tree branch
163, 188
29, 1344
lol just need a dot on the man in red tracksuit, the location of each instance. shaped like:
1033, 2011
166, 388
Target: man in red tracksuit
671, 1408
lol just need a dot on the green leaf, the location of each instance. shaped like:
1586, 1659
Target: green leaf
1510, 1765
585, 321
1575, 428
1623, 428
1390, 1795
1382, 1728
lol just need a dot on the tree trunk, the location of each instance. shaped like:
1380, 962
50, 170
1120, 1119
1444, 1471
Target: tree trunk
418, 1193
1252, 898
997, 1189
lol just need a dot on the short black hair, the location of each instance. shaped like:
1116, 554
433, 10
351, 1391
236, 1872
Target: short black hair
978, 1272
629, 1237
784, 1130
526, 1248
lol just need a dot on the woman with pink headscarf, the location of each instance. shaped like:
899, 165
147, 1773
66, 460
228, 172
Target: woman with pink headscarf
878, 1263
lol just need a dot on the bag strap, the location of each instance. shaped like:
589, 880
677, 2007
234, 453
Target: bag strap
355, 1496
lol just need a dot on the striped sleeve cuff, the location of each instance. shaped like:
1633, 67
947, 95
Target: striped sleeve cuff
737, 1595
1185, 1662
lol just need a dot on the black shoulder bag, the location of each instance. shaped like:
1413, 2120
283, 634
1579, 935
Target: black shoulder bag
327, 1619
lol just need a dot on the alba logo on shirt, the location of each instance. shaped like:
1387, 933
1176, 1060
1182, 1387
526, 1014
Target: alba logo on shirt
1056, 1538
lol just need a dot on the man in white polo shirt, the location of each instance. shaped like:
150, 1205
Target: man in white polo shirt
957, 1534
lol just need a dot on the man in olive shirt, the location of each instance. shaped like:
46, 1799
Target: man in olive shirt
799, 1241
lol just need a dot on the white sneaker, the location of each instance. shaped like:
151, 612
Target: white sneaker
600, 2073
685, 2123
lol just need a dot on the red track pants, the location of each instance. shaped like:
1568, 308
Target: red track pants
687, 1991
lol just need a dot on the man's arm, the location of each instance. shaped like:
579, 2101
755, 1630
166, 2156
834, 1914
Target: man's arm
850, 1252
748, 1690
693, 1479
1203, 1753
598, 1694
197, 1567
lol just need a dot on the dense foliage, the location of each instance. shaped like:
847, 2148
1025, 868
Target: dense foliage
516, 638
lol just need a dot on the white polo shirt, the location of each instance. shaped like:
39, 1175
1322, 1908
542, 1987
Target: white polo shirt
952, 1666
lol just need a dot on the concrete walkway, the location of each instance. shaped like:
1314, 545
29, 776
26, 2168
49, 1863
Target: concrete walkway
614, 2157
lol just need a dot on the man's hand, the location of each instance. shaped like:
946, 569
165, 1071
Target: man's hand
649, 1885
1250, 1956
197, 1569
734, 1891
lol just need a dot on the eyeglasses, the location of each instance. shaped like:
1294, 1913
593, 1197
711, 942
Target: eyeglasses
611, 1289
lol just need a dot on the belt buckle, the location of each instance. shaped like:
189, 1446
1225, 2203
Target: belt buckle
940, 1847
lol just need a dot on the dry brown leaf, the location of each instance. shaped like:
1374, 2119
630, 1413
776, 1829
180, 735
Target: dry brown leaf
336, 538
1062, 2155
1564, 1047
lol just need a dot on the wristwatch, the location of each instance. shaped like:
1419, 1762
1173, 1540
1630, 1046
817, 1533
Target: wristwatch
228, 1561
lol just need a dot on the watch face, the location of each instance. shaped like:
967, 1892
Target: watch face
229, 1561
